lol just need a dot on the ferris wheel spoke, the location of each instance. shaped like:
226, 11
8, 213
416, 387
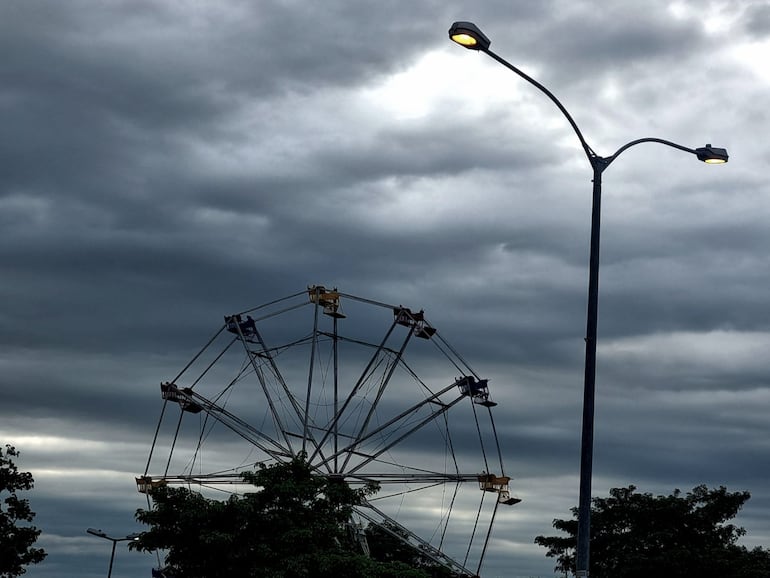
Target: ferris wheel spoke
332, 429
444, 408
193, 402
430, 478
303, 417
434, 401
380, 390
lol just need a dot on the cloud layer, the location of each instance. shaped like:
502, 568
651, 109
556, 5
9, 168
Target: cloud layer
167, 163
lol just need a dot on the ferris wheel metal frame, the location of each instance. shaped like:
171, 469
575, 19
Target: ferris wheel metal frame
347, 426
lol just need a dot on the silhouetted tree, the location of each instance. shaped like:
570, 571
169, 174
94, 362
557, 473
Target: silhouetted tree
294, 526
16, 541
636, 535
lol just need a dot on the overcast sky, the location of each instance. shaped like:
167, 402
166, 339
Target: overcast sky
164, 163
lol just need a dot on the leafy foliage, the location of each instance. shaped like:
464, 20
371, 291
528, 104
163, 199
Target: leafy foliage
637, 534
16, 542
295, 526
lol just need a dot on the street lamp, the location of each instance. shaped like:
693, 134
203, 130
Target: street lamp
100, 534
470, 36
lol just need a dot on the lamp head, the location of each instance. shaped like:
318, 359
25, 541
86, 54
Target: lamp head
96, 532
712, 155
467, 34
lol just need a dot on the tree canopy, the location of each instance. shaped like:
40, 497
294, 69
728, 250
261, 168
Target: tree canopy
294, 526
637, 534
16, 541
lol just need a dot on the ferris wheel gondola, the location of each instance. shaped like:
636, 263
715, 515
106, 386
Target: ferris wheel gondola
314, 374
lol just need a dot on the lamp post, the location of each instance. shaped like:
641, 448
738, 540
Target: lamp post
100, 534
470, 36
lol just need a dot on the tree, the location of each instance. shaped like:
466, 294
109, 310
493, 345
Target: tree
16, 542
637, 534
294, 526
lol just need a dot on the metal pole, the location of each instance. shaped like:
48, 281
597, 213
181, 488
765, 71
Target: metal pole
112, 556
100, 534
335, 343
587, 440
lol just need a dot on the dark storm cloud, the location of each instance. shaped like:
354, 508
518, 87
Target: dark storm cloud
581, 45
757, 20
130, 53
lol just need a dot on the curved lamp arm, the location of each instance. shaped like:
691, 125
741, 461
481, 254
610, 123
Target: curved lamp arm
588, 150
469, 35
707, 154
102, 534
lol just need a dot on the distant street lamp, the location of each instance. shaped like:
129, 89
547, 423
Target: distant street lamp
100, 534
470, 36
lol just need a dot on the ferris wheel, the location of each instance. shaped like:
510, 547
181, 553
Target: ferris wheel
368, 392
